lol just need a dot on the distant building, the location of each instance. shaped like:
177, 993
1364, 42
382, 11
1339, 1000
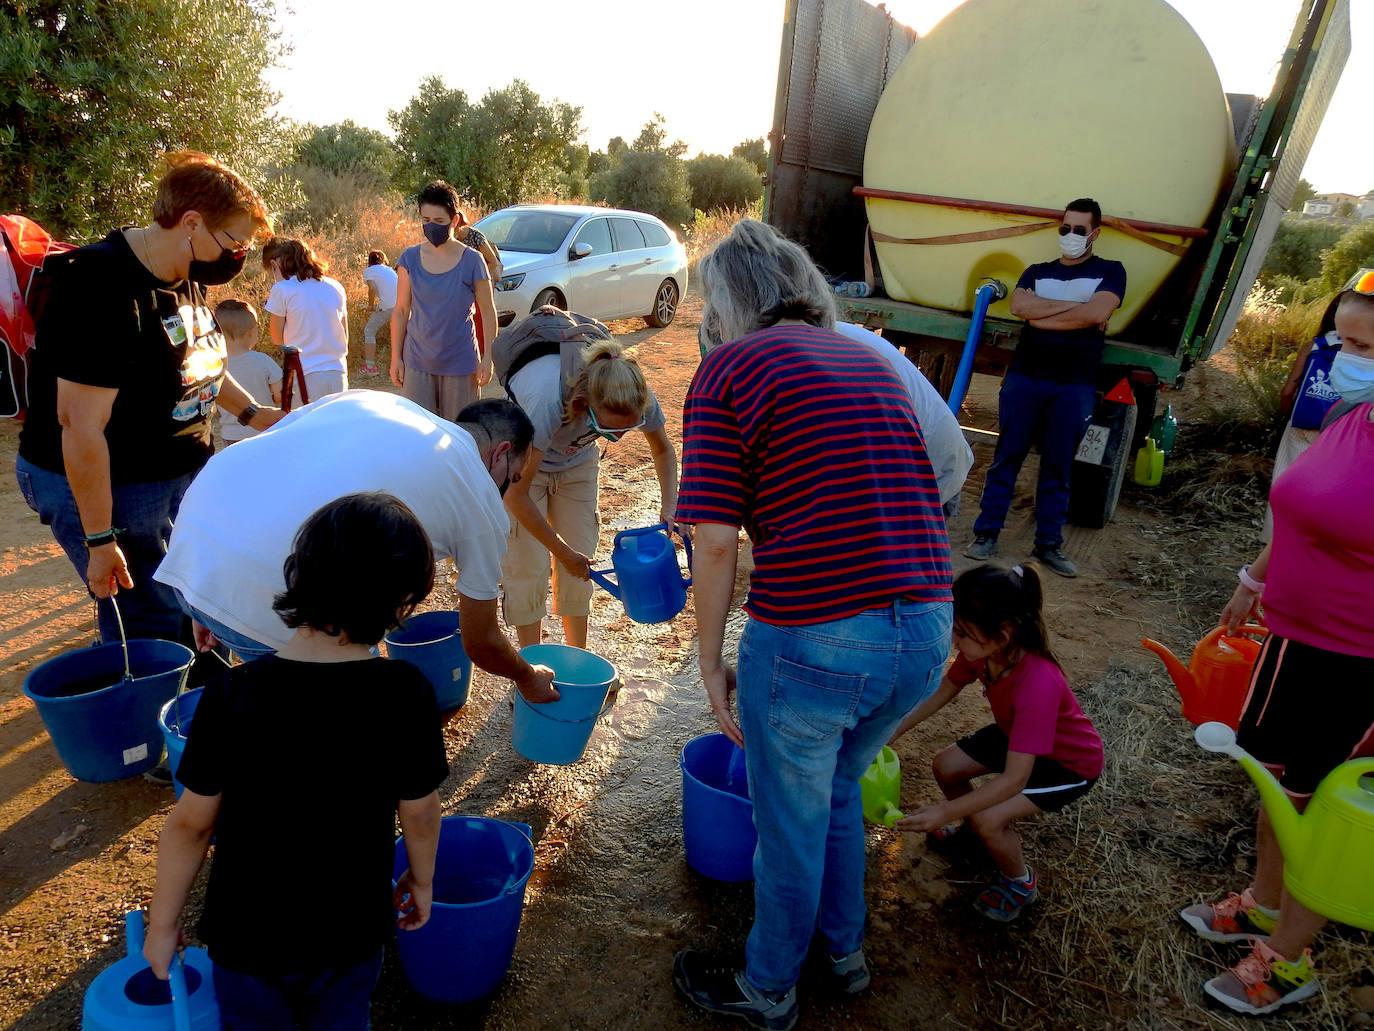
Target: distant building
1365, 208
1318, 208
1329, 205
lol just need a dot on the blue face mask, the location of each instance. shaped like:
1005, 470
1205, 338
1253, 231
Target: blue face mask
435, 233
1353, 377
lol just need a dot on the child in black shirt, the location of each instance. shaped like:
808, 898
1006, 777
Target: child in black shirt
299, 903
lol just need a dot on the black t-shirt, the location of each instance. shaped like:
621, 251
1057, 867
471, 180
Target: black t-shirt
109, 322
310, 760
1071, 355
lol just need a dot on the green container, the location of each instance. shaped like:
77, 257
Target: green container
1165, 430
880, 787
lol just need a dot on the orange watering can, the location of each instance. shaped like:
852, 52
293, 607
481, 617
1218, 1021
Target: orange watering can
1326, 848
1214, 683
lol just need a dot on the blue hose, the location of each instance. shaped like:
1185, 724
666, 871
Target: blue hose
990, 290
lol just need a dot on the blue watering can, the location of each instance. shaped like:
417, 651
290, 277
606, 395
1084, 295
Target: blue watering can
648, 580
127, 996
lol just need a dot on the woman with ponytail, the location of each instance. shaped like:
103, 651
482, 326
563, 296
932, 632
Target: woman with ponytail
554, 501
1043, 751
309, 311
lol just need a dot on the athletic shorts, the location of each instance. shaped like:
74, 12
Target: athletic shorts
1308, 711
1052, 785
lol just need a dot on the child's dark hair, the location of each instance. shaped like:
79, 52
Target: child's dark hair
358, 566
295, 258
441, 195
376, 258
990, 597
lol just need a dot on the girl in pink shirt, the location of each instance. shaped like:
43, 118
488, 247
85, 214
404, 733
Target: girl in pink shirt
1044, 751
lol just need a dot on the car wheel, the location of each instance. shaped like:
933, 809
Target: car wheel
549, 296
665, 305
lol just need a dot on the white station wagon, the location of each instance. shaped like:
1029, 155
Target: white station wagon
604, 262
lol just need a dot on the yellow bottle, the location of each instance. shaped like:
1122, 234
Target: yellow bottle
1149, 464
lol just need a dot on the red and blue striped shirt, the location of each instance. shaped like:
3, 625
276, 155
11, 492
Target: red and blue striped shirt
808, 441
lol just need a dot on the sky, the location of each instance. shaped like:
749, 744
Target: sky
709, 66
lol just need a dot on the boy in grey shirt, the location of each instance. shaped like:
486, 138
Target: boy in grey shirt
256, 373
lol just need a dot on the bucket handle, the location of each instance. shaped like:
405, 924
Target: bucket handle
607, 707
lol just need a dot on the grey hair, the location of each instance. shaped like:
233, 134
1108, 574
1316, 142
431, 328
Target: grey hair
756, 277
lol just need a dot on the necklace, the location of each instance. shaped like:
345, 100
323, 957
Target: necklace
147, 253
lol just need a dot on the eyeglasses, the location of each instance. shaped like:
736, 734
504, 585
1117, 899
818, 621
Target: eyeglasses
240, 247
1362, 282
1076, 230
610, 433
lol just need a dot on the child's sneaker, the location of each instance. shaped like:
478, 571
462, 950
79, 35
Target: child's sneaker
849, 973
721, 987
1235, 918
1263, 982
369, 369
1003, 900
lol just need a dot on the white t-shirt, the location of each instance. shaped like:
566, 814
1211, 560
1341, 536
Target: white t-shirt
316, 314
233, 533
383, 280
945, 444
257, 374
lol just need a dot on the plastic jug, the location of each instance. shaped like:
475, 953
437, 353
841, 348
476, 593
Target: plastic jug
1327, 847
1149, 464
1214, 683
1164, 430
647, 578
128, 996
880, 787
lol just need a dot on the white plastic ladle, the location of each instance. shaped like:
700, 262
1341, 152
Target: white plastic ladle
1218, 737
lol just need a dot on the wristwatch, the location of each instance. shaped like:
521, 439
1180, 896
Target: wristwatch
246, 416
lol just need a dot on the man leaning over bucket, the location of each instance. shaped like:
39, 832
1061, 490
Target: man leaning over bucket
1049, 392
240, 515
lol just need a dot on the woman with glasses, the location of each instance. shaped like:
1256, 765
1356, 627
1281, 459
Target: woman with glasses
1311, 700
811, 445
554, 503
126, 373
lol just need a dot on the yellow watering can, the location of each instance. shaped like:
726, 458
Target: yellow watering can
1327, 849
880, 788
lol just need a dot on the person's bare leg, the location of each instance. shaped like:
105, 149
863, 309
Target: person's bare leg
993, 827
1268, 882
1297, 928
529, 634
575, 630
954, 771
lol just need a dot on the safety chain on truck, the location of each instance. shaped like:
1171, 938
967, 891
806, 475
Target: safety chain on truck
811, 95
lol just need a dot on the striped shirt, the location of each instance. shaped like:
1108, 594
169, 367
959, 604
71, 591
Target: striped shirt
808, 442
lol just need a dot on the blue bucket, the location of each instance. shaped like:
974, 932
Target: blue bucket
433, 642
717, 815
109, 733
557, 733
464, 950
128, 996
174, 720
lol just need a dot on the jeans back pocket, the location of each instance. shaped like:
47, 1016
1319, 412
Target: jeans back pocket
809, 703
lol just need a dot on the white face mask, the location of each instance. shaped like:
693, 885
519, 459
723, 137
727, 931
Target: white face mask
1352, 377
1073, 245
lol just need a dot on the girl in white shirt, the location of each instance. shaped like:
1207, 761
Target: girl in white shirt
309, 311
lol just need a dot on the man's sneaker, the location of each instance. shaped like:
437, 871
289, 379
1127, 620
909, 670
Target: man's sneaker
1056, 560
982, 548
1003, 900
721, 987
161, 775
1263, 982
1233, 919
849, 973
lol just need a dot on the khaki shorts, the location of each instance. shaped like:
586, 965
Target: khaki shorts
568, 501
445, 396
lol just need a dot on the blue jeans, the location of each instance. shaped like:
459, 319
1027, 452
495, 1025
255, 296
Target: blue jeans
145, 512
816, 703
1054, 416
323, 1000
241, 645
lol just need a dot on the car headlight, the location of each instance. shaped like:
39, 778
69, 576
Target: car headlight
510, 282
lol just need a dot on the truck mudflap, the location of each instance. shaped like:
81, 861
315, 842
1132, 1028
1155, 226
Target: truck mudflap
1099, 467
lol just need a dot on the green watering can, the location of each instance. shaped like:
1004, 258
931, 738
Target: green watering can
880, 788
1327, 848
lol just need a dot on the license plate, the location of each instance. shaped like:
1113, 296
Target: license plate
1093, 447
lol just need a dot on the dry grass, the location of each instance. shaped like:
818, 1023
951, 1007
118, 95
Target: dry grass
708, 228
1167, 825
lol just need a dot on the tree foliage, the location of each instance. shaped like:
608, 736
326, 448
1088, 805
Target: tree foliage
1302, 193
92, 92
366, 153
648, 176
754, 151
723, 182
1297, 249
1352, 252
509, 147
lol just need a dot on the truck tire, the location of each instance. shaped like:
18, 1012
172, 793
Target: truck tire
1094, 489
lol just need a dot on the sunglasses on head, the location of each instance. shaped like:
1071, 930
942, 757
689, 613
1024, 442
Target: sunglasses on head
1362, 282
1076, 230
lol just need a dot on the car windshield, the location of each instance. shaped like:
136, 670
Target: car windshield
538, 232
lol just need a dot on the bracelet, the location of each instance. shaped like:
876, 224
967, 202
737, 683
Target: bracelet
1249, 582
95, 540
246, 416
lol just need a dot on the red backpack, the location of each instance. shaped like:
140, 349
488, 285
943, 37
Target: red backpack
24, 246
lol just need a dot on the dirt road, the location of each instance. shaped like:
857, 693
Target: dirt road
612, 898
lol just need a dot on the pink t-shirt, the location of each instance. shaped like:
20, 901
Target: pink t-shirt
1034, 707
1321, 566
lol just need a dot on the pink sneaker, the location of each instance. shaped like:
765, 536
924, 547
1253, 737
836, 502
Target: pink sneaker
1233, 919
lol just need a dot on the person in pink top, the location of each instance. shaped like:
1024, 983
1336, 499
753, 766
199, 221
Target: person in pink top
1044, 751
1311, 701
